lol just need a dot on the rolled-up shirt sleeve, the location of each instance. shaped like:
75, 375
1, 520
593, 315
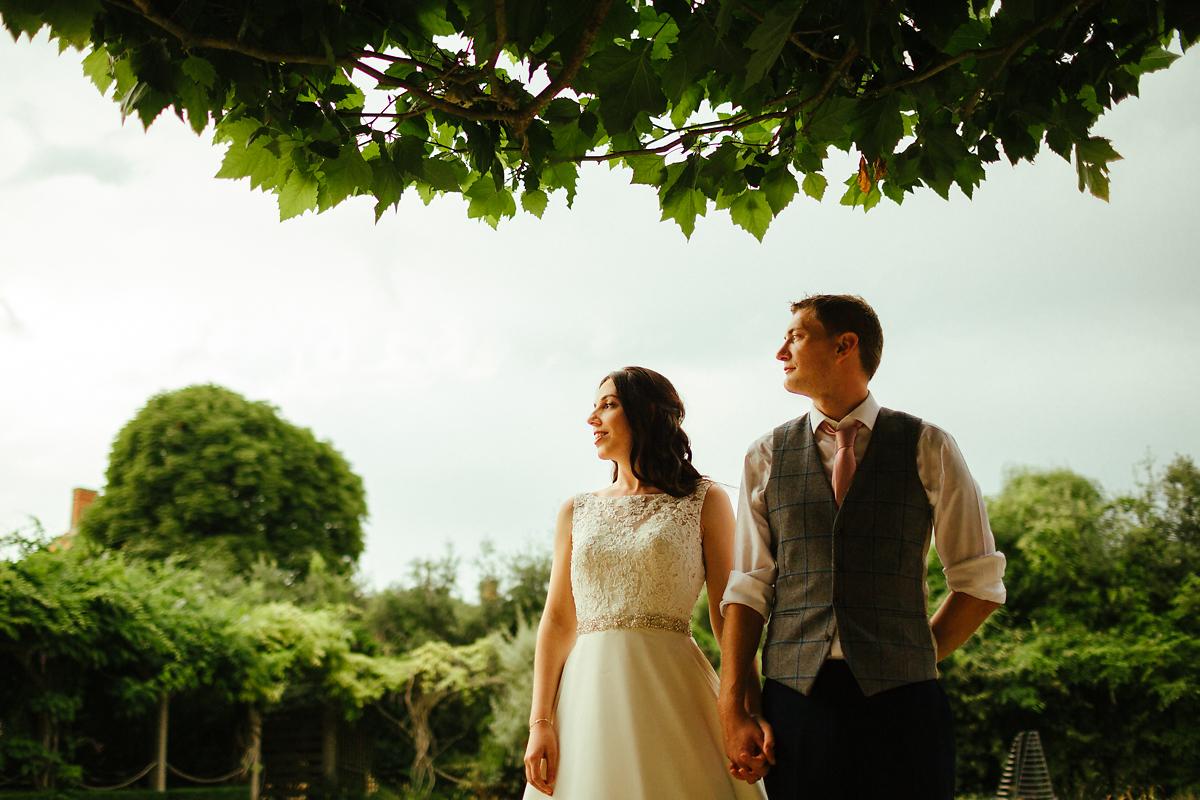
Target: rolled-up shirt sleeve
961, 532
752, 579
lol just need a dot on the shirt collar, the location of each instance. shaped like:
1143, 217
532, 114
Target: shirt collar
866, 412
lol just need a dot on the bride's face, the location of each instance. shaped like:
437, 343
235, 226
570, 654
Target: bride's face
610, 428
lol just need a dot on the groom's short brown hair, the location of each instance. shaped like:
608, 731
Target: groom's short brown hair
849, 313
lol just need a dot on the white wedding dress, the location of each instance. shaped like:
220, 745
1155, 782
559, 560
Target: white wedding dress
636, 711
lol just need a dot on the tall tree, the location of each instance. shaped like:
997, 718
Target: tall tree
732, 104
202, 473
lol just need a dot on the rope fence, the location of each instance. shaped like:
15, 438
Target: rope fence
241, 769
123, 784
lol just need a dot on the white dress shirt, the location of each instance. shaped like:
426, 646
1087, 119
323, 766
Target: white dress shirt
961, 534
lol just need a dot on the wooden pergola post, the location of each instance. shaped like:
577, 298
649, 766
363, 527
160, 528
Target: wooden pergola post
329, 742
160, 769
255, 753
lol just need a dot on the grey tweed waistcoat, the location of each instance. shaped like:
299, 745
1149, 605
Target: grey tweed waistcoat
861, 566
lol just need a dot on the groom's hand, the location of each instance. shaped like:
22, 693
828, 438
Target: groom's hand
749, 745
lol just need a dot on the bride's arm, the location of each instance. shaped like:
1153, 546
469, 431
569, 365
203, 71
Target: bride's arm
716, 534
555, 638
716, 527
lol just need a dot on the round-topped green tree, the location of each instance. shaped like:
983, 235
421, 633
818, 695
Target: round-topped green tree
205, 475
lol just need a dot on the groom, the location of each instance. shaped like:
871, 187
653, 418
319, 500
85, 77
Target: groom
834, 524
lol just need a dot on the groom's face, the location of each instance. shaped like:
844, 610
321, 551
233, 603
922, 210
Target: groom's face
808, 354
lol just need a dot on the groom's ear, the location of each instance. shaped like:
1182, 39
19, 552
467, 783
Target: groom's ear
846, 342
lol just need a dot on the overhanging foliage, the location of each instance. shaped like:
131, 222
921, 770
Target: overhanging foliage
733, 104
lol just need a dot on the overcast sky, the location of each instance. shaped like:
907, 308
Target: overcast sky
454, 366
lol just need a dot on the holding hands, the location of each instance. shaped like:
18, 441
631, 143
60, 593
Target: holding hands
749, 745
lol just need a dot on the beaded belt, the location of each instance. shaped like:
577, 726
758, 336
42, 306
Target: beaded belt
606, 622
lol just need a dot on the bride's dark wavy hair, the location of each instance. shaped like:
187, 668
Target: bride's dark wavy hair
661, 455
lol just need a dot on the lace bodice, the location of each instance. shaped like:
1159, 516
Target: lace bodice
636, 561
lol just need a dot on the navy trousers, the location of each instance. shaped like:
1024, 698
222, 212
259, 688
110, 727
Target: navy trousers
837, 744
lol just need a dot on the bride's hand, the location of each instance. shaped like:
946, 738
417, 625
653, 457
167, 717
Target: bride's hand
749, 745
541, 757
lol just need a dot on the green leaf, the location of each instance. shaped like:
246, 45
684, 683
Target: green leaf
1094, 178
988, 153
768, 39
387, 184
409, 154
969, 36
679, 198
1059, 140
722, 173
70, 20
828, 123
1087, 96
648, 169
855, 196
1092, 157
481, 145
814, 185
942, 148
346, 175
252, 161
571, 141
298, 195
625, 81
1155, 59
779, 186
878, 126
660, 29
968, 174
683, 205
686, 104
96, 66
131, 98
434, 21
893, 191
562, 175
194, 99
1096, 150
751, 212
200, 71
488, 203
535, 202
444, 174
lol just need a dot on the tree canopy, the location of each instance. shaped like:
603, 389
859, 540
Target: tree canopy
727, 104
205, 475
1098, 646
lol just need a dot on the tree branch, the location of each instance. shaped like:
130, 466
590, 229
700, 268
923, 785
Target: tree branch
934, 70
793, 36
1018, 44
838, 68
564, 78
190, 40
501, 34
395, 59
734, 123
433, 100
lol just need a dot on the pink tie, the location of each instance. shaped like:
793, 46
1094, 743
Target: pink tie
844, 462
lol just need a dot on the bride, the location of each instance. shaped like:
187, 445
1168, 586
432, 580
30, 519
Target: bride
624, 702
